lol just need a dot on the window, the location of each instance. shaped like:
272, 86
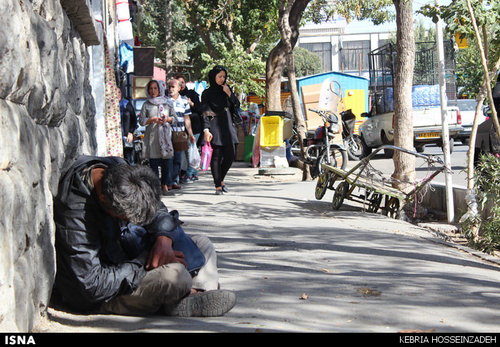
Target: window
354, 55
323, 50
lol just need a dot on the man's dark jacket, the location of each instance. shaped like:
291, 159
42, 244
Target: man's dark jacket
92, 266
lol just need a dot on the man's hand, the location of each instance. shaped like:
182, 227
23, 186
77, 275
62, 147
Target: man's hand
162, 253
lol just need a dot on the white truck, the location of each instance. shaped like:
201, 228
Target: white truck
378, 129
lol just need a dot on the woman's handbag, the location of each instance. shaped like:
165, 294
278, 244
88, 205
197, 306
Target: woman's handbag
180, 141
206, 156
234, 116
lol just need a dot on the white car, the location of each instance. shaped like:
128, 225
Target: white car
467, 109
378, 129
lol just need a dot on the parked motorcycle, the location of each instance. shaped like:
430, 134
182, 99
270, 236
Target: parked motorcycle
352, 141
318, 146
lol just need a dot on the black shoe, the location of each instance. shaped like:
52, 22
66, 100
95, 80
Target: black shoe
219, 192
224, 189
212, 303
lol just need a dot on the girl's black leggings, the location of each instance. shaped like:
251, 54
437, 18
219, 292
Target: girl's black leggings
222, 159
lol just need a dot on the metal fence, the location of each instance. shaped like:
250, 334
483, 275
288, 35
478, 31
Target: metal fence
425, 77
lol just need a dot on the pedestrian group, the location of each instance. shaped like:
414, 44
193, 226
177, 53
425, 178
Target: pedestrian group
178, 123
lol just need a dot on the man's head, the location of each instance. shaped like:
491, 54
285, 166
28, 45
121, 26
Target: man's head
182, 81
131, 193
174, 88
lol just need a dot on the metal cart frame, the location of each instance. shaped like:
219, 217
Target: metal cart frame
375, 191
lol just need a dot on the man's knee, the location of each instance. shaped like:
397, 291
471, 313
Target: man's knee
174, 274
167, 282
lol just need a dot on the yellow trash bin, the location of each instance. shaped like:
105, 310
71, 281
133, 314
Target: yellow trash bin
271, 131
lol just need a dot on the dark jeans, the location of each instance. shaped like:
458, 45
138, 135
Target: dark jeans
158, 163
222, 159
174, 168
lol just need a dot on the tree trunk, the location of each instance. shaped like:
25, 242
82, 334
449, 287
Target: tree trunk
286, 35
484, 63
168, 38
404, 164
277, 58
290, 13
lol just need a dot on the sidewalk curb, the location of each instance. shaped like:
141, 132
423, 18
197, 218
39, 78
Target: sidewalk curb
446, 233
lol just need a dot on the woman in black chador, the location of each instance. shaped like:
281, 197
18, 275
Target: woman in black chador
218, 105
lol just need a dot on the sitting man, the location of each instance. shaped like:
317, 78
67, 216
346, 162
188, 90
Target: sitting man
120, 251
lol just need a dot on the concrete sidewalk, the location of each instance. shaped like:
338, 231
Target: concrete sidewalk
298, 266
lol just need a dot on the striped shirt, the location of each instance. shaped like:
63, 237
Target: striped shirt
182, 109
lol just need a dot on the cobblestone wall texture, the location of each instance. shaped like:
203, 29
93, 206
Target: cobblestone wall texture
46, 118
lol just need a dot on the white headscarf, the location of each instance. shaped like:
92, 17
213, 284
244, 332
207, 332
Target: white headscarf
161, 99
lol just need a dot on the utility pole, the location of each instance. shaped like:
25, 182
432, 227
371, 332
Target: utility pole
168, 38
450, 208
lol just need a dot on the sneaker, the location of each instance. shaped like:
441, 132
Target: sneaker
212, 303
219, 192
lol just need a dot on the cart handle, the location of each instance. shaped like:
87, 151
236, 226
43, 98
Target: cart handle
427, 157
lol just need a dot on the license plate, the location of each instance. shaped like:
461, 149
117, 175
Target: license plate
428, 135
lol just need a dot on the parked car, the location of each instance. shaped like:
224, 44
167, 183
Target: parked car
467, 109
378, 129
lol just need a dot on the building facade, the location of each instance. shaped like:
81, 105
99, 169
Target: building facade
344, 47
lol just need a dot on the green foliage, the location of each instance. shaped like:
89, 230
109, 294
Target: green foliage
487, 178
379, 11
458, 20
244, 69
469, 71
236, 33
306, 62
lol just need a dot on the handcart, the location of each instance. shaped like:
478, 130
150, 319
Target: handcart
377, 193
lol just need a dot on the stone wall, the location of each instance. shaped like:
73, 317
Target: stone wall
46, 120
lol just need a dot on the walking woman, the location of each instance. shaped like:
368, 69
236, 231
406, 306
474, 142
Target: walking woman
218, 102
156, 114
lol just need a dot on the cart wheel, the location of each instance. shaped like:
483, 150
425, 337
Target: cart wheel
333, 178
392, 208
375, 200
340, 194
322, 185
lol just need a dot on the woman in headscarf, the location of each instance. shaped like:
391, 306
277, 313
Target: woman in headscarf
156, 114
218, 103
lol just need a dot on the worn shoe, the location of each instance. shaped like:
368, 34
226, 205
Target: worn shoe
224, 189
212, 303
164, 190
174, 186
219, 192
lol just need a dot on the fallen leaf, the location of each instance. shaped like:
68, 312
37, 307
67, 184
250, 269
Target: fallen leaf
369, 292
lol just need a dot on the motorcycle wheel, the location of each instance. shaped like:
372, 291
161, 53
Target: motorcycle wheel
354, 147
338, 158
365, 150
